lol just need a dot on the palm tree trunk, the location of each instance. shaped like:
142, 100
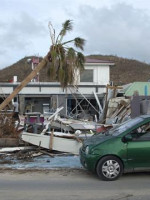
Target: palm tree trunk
24, 82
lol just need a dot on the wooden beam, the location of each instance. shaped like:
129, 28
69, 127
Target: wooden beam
114, 87
51, 140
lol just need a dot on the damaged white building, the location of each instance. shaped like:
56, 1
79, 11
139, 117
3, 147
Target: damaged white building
83, 99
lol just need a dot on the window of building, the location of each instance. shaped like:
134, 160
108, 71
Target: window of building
86, 75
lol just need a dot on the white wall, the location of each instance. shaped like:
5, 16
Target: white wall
101, 75
42, 90
6, 90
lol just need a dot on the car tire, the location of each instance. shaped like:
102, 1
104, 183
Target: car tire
109, 168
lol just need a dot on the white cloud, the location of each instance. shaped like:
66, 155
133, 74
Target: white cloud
110, 27
120, 29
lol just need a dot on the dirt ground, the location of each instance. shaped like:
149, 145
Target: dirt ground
51, 172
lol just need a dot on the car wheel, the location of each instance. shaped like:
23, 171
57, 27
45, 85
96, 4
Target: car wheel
109, 168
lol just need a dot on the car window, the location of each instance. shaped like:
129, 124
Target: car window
124, 126
142, 133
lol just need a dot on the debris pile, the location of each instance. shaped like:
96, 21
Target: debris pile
66, 134
119, 110
33, 159
7, 126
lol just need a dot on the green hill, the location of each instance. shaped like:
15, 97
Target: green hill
125, 70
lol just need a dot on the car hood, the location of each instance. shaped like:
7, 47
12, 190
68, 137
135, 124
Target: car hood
97, 139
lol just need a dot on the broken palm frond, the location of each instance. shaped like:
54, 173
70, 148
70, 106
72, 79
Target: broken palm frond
27, 155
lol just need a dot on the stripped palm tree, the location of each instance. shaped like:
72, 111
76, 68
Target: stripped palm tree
63, 61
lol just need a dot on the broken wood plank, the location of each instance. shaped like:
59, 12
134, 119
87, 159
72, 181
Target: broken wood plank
45, 152
51, 140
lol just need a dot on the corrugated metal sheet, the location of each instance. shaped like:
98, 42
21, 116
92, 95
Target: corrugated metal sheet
143, 88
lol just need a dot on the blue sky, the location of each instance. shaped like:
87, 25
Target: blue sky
120, 27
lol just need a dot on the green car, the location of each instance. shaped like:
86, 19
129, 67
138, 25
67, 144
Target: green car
124, 148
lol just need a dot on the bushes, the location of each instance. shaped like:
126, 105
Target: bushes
7, 126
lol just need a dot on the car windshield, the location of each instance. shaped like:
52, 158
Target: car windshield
117, 130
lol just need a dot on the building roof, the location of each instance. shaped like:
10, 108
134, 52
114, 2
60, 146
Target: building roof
143, 88
97, 61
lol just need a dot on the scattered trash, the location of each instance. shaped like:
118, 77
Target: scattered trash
40, 162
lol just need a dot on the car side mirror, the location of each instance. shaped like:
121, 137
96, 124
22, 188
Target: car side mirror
127, 138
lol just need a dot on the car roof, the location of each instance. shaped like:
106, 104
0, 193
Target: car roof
144, 116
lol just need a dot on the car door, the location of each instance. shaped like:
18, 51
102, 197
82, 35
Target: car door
138, 149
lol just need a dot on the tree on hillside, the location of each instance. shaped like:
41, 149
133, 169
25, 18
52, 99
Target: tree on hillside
63, 60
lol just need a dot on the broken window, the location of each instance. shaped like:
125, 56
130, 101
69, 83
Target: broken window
81, 108
86, 76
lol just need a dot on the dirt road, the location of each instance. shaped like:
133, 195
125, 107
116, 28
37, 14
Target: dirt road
71, 184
